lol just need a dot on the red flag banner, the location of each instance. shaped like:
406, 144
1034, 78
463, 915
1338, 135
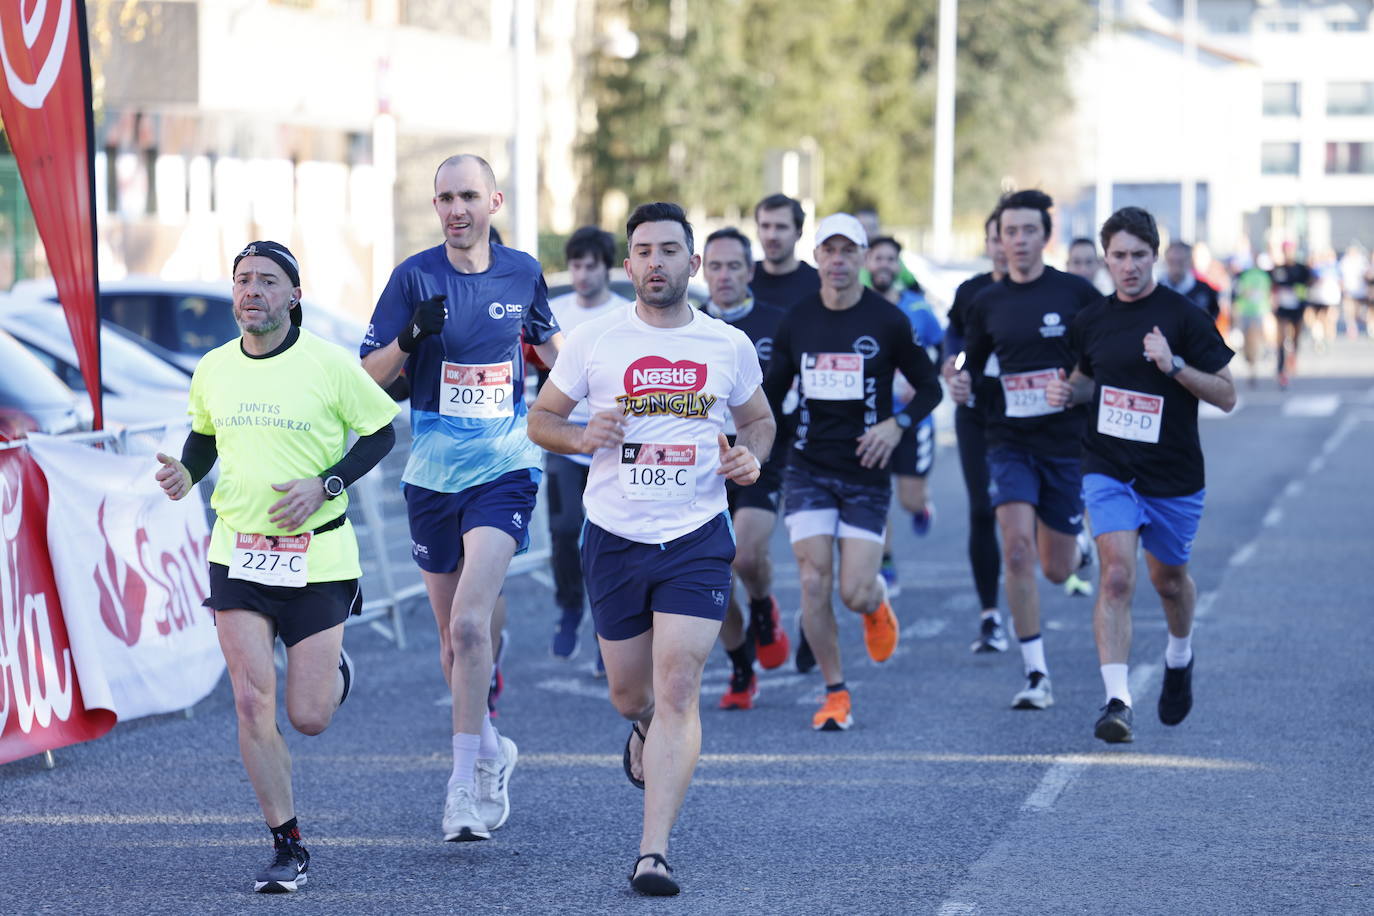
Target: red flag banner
41, 706
45, 101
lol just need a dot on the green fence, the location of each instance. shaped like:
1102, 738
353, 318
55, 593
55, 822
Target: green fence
18, 235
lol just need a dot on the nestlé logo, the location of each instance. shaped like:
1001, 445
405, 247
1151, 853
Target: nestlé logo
654, 374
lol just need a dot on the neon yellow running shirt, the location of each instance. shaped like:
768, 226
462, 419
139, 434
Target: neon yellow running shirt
277, 419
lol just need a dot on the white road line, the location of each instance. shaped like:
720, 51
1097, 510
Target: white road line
1272, 517
1312, 405
1243, 555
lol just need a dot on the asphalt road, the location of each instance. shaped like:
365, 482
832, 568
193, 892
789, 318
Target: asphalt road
941, 800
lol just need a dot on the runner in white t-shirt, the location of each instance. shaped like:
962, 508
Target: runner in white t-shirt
659, 378
590, 254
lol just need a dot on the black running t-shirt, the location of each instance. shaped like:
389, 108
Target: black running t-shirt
987, 392
1142, 425
785, 290
1026, 325
846, 360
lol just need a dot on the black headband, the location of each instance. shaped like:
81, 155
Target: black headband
277, 253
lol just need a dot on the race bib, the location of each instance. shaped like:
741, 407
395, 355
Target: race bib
269, 559
476, 392
1025, 393
655, 471
1131, 415
833, 376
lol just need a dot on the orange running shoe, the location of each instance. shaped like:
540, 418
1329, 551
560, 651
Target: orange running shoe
771, 645
741, 693
834, 714
881, 630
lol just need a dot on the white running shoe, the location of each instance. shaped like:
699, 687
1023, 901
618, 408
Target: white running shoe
1037, 694
462, 824
493, 784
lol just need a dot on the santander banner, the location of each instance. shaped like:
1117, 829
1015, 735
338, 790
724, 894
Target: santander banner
41, 704
45, 101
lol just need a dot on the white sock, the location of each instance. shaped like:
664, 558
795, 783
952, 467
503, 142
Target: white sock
1117, 681
491, 741
1033, 655
1179, 652
464, 758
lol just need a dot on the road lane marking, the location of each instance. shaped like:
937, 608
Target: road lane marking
1312, 405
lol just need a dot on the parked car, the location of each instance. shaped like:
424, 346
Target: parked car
137, 387
32, 398
182, 320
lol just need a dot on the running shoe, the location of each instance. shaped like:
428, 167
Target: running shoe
493, 784
462, 822
771, 645
498, 683
346, 669
835, 714
922, 521
1074, 586
598, 666
1087, 550
991, 637
565, 641
889, 573
1176, 697
744, 686
1114, 725
881, 630
1037, 694
806, 659
286, 872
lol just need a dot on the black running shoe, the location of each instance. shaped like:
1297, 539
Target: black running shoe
286, 872
1114, 726
1176, 697
806, 659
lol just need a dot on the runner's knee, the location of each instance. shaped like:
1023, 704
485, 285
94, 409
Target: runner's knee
1118, 582
633, 701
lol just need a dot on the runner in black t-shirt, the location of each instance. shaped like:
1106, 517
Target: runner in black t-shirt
845, 344
753, 509
1288, 284
780, 277
1032, 447
970, 426
1147, 356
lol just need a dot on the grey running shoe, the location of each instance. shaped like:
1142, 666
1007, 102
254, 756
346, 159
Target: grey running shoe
991, 637
1037, 694
493, 784
462, 823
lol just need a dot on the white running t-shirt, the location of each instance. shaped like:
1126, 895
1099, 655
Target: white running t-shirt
676, 385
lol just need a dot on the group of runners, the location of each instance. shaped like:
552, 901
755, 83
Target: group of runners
672, 435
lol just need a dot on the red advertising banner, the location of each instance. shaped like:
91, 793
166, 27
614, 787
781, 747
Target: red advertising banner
45, 101
41, 707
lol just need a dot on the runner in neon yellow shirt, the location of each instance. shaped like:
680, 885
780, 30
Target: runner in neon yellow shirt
277, 405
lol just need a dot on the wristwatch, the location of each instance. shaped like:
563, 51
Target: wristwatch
1179, 366
333, 486
903, 420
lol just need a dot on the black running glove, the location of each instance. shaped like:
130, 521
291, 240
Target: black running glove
427, 320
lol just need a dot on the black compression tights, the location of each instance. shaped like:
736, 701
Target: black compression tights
984, 556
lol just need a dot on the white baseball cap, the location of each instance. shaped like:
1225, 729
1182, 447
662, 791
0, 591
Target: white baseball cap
842, 224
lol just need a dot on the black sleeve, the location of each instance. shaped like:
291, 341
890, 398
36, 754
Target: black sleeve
1203, 347
955, 332
915, 365
781, 369
1079, 345
977, 342
365, 455
199, 454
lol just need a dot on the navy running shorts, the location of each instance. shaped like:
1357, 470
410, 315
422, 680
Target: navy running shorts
628, 582
764, 493
820, 503
914, 455
1054, 486
438, 520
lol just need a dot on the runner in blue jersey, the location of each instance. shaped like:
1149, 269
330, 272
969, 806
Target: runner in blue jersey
453, 317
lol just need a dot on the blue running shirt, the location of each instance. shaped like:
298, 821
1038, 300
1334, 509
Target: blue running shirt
467, 383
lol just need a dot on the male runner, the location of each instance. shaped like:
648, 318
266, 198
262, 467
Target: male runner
726, 261
1180, 277
1289, 281
1250, 298
1083, 260
277, 405
590, 253
970, 426
1142, 459
1032, 446
659, 377
846, 343
472, 475
781, 277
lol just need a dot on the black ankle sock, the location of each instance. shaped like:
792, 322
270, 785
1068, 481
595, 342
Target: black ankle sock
887, 559
835, 688
289, 832
743, 657
760, 609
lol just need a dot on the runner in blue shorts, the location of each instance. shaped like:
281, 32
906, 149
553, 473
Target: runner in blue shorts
453, 316
1147, 356
659, 378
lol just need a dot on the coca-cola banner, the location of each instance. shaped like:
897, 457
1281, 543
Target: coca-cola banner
41, 703
131, 568
45, 101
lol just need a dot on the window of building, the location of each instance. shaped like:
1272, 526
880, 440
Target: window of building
1348, 17
1279, 159
1282, 99
1283, 16
1350, 98
1350, 158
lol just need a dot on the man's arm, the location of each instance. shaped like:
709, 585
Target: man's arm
1067, 392
384, 365
548, 426
754, 432
549, 349
1216, 388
